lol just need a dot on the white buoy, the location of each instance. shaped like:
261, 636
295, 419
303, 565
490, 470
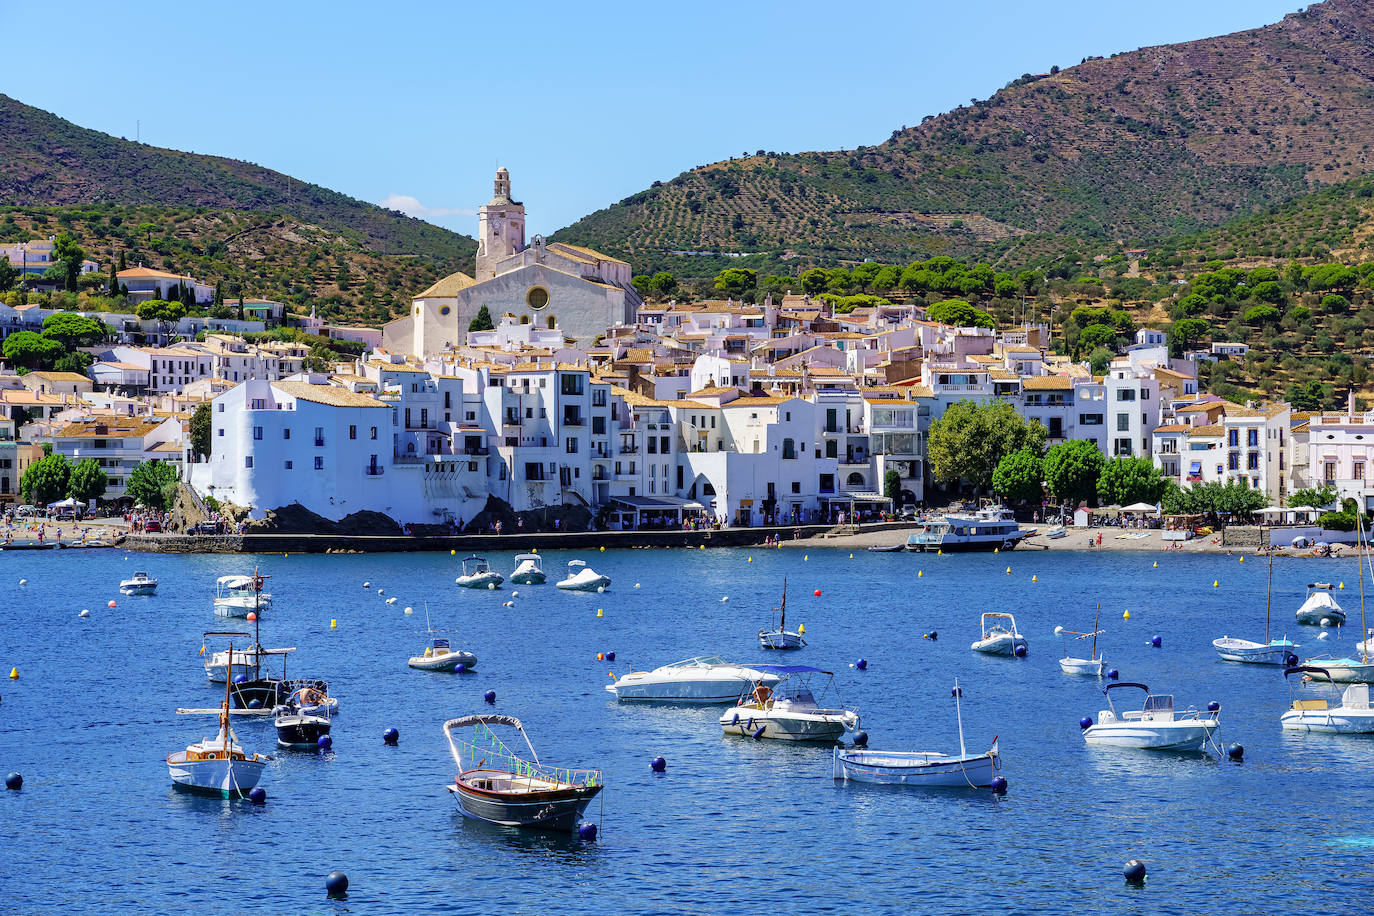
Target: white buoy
365, 584
725, 598
491, 586
1323, 635
391, 601
599, 588
515, 594
410, 611
381, 591
23, 582
84, 613
507, 604
636, 585
1326, 621
1058, 630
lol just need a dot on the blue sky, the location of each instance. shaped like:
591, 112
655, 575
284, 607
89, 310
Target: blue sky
585, 103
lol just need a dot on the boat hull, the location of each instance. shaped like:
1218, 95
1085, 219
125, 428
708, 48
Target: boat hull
557, 809
1330, 721
444, 662
967, 546
225, 778
480, 580
999, 645
133, 590
1082, 666
915, 768
788, 726
1315, 618
781, 639
1343, 673
1255, 653
584, 583
530, 578
1169, 736
725, 690
301, 731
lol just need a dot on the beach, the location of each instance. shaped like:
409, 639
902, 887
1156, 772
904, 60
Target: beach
1113, 539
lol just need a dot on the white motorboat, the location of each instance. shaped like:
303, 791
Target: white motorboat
1000, 636
1350, 670
1320, 608
529, 570
707, 679
989, 528
1269, 652
478, 574
239, 596
1054, 532
217, 765
1155, 726
781, 638
787, 710
140, 583
582, 578
302, 721
1093, 664
1351, 716
217, 667
920, 768
439, 655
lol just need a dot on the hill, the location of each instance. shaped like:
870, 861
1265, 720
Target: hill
51, 162
1145, 144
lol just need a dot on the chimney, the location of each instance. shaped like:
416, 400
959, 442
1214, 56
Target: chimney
1350, 404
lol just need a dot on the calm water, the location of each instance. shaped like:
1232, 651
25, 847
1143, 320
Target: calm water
734, 826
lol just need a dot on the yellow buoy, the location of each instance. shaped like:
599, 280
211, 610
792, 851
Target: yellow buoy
14, 674
603, 548
806, 557
920, 573
534, 550
1126, 616
1035, 578
801, 629
1342, 585
1242, 559
1156, 564
996, 550
1215, 583
940, 553
333, 624
453, 553
1009, 570
851, 556
751, 559
598, 612
701, 547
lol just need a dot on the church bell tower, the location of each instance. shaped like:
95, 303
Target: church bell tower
500, 228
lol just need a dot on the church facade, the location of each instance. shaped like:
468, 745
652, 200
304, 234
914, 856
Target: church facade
576, 290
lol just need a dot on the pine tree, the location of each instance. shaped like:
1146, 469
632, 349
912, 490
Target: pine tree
114, 281
481, 321
121, 261
219, 293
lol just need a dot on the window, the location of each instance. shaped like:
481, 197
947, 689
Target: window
652, 443
408, 418
598, 426
448, 400
286, 433
319, 462
534, 470
1090, 419
248, 461
1056, 427
220, 431
1233, 437
789, 449
319, 437
1358, 473
796, 486
288, 465
1233, 461
571, 446
1125, 394
1252, 461
571, 384
257, 432
373, 433
827, 483
1252, 437
663, 445
1123, 422
221, 408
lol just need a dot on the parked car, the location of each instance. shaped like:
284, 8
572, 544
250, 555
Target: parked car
152, 526
25, 512
206, 528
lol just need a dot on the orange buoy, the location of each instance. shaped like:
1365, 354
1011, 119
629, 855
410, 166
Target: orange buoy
818, 593
111, 604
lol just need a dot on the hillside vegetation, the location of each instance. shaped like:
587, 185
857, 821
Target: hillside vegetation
1144, 144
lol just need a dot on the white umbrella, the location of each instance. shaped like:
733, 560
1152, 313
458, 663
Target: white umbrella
68, 503
1139, 507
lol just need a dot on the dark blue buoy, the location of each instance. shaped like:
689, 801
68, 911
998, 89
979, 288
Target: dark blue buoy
1019, 651
391, 736
861, 739
1156, 641
998, 785
934, 635
255, 703
1235, 752
1213, 706
862, 664
658, 764
336, 884
489, 696
324, 742
1113, 674
14, 782
610, 656
241, 679
1290, 660
257, 795
1085, 722
956, 691
586, 830
1134, 872
460, 668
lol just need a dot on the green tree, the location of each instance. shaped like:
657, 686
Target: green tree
1262, 314
77, 361
736, 282
892, 486
88, 481
73, 330
663, 284
958, 313
8, 275
481, 321
814, 281
1332, 278
45, 481
28, 350
1313, 497
1072, 470
1099, 361
69, 256
1335, 303
1310, 395
1187, 333
1268, 291
202, 423
1096, 335
971, 439
169, 312
1020, 475
149, 482
1125, 481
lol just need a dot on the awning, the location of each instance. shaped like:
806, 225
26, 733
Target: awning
1195, 467
649, 503
1139, 507
858, 496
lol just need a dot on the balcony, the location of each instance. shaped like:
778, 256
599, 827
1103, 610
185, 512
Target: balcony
373, 470
319, 442
573, 420
476, 450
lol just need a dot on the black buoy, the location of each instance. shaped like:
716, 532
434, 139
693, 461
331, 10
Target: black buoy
934, 634
489, 696
998, 785
658, 764
1086, 722
336, 884
861, 739
257, 795
391, 736
14, 782
1235, 752
610, 656
1134, 872
1290, 660
255, 703
586, 830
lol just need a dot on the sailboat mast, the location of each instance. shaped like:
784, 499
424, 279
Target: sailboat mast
1097, 615
1359, 558
1268, 597
959, 717
782, 611
228, 680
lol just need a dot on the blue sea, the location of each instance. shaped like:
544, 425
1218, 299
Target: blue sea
733, 825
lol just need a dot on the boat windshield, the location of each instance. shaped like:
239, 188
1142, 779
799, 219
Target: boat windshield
703, 661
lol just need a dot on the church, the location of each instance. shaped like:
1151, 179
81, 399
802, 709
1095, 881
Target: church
576, 290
